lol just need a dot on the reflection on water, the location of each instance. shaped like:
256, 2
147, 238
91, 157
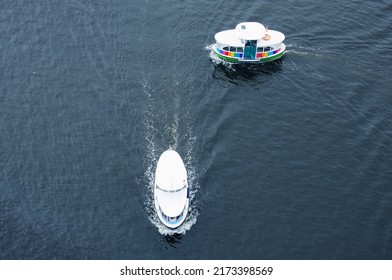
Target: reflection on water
238, 73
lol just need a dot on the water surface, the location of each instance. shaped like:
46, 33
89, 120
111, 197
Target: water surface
287, 160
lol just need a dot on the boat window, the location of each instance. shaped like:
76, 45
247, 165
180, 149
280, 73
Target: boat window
240, 49
170, 191
259, 49
226, 48
232, 49
243, 27
171, 219
267, 49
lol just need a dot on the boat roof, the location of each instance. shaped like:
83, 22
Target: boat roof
249, 31
172, 204
170, 174
276, 37
229, 37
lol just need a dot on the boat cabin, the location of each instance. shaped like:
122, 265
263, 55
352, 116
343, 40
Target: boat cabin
249, 41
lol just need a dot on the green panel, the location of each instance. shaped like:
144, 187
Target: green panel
229, 59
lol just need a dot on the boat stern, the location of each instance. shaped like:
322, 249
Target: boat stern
172, 222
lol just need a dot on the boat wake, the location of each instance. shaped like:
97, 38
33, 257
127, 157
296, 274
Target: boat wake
160, 133
217, 60
297, 50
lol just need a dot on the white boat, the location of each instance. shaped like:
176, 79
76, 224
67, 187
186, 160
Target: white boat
249, 42
171, 191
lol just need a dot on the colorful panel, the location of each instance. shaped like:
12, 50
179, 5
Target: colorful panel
231, 54
266, 54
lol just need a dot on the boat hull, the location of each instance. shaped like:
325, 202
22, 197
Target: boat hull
171, 191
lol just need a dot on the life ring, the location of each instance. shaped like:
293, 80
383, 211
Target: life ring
266, 37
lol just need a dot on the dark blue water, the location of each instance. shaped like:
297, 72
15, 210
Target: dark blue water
287, 160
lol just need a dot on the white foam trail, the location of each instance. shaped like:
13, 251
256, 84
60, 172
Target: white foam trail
172, 132
306, 51
217, 60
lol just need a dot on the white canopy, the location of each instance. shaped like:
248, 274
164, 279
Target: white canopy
229, 37
171, 183
250, 30
172, 204
171, 173
276, 37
